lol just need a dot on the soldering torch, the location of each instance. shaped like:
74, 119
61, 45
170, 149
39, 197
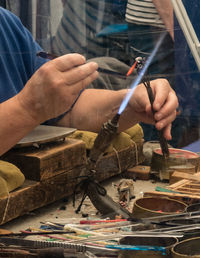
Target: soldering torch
104, 138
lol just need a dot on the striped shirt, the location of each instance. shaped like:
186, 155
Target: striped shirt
81, 22
143, 12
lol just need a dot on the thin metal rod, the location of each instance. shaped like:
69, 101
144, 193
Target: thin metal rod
51, 56
133, 234
177, 215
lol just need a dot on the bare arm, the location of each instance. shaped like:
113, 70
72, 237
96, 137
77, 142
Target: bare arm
94, 107
15, 123
165, 9
54, 87
49, 93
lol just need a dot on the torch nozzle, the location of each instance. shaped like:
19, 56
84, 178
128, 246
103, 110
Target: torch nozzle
103, 140
115, 119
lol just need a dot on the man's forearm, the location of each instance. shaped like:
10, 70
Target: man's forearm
94, 108
165, 10
15, 124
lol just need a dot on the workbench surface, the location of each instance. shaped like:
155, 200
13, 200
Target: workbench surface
56, 212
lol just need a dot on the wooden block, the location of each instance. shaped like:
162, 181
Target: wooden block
139, 172
117, 162
49, 160
178, 184
177, 176
52, 159
33, 194
185, 186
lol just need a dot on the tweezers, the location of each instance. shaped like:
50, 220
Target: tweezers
50, 56
162, 140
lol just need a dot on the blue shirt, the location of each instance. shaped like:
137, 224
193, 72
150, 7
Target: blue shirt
18, 60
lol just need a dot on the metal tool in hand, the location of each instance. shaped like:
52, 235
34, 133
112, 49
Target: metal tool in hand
102, 70
163, 142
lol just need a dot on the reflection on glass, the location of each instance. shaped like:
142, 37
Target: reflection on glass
115, 32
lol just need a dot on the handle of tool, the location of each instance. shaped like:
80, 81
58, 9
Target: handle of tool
151, 97
51, 252
162, 140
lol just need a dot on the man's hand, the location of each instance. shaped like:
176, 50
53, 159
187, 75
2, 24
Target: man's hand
165, 105
53, 88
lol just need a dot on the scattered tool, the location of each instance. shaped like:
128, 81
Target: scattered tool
125, 190
26, 233
44, 244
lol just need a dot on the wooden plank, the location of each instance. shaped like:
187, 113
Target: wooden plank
177, 176
178, 184
184, 183
186, 186
49, 160
189, 191
191, 186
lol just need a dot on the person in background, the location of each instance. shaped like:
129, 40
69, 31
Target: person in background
147, 20
78, 31
33, 91
92, 28
81, 25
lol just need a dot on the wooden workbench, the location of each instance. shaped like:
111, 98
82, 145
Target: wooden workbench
50, 173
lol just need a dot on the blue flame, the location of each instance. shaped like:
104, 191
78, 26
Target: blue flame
140, 75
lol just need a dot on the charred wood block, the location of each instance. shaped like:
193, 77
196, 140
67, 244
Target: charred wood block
33, 194
49, 160
116, 163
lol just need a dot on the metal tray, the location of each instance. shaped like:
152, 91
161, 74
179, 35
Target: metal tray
44, 134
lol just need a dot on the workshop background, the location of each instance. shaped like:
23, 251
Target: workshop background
132, 170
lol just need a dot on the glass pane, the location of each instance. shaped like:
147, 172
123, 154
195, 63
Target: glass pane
115, 33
